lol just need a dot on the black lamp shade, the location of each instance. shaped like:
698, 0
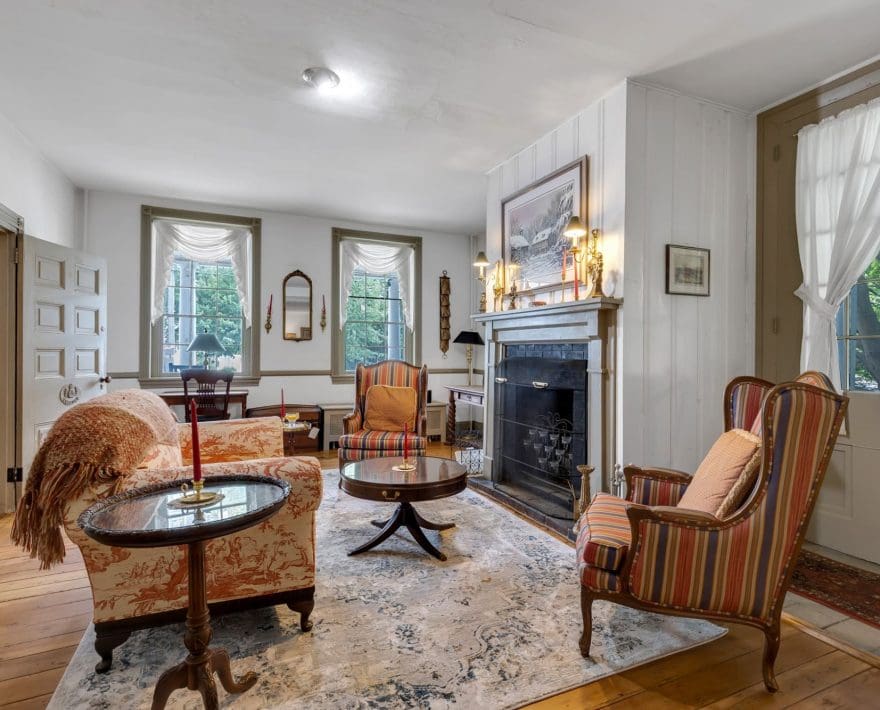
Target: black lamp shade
206, 343
469, 337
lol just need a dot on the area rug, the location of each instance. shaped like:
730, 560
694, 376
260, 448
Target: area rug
849, 590
495, 626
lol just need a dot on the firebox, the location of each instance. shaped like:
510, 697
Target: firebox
540, 426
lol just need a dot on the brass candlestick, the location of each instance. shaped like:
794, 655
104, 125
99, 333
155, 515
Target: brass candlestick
595, 263
268, 324
511, 306
198, 497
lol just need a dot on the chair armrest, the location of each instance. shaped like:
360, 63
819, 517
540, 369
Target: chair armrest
655, 486
352, 423
303, 473
234, 440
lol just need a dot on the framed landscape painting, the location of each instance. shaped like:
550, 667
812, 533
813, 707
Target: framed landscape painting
532, 221
687, 270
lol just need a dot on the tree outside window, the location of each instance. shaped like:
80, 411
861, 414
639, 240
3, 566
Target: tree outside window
374, 326
858, 333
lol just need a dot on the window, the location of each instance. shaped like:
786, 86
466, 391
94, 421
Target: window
377, 287
198, 274
858, 333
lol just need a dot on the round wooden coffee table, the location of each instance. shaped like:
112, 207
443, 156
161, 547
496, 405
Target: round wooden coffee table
375, 479
146, 517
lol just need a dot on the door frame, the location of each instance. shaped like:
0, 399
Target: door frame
14, 224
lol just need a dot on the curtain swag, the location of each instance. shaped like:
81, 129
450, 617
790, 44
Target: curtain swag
200, 243
379, 260
837, 204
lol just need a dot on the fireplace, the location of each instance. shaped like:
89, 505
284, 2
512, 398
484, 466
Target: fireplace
540, 423
549, 374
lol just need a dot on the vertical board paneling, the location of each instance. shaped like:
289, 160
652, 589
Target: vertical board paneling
545, 155
525, 167
566, 142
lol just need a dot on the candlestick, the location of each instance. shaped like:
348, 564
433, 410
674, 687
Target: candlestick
283, 408
405, 442
268, 324
196, 454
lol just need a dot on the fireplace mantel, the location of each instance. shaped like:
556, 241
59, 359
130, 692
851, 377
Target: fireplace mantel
592, 322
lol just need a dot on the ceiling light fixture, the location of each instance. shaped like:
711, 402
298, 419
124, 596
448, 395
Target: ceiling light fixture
321, 78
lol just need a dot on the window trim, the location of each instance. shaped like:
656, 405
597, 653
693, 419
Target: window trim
149, 333
337, 372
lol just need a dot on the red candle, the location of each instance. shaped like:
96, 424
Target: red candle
283, 410
269, 312
405, 442
577, 277
564, 265
197, 457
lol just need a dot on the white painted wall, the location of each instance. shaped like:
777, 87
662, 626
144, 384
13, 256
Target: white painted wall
289, 242
690, 181
35, 189
663, 168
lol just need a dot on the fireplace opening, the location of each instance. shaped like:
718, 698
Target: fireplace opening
540, 425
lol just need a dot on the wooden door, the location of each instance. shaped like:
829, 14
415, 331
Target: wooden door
8, 365
64, 335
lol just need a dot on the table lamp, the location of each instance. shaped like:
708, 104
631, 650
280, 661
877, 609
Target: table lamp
206, 343
469, 338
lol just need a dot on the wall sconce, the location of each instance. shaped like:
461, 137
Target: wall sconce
588, 254
498, 304
482, 262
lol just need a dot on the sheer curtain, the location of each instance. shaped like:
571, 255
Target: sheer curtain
200, 243
837, 203
378, 260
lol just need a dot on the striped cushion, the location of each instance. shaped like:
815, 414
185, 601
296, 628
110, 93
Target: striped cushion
382, 441
604, 535
655, 491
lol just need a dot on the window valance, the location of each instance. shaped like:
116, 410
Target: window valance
200, 243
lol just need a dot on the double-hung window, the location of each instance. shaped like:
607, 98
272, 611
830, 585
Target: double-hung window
199, 278
858, 333
377, 282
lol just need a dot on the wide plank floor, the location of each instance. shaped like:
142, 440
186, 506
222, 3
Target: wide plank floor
44, 613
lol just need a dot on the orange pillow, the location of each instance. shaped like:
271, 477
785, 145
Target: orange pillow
726, 476
390, 408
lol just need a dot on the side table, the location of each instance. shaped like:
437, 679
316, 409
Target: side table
146, 517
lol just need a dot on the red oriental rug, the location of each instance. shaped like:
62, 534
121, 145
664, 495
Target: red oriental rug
849, 590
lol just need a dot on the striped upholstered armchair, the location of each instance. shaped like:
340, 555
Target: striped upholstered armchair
361, 442
670, 548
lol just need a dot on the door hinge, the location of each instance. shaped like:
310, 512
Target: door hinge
15, 256
14, 475
777, 153
774, 325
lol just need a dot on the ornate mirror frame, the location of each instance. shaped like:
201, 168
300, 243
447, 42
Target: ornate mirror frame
305, 332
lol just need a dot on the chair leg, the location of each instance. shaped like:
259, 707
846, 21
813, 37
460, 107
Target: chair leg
105, 642
587, 614
771, 649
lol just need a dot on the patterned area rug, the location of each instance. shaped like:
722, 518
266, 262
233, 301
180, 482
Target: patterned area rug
495, 626
849, 590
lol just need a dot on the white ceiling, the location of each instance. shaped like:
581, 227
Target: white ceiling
203, 99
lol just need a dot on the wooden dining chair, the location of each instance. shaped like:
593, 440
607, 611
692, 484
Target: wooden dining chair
210, 405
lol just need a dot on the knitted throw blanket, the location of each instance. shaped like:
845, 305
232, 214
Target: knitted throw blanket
96, 443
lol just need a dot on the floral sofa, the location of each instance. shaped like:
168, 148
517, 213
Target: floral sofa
270, 563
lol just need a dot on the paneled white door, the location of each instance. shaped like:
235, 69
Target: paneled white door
64, 336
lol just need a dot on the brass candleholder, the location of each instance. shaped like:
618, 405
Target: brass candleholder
407, 466
197, 498
268, 324
511, 306
595, 263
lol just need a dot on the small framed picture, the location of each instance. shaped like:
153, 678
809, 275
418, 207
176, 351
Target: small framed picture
687, 270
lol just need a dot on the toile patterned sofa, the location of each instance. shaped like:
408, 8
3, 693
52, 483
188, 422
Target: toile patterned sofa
271, 563
668, 548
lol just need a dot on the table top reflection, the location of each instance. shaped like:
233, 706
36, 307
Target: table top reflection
380, 471
148, 516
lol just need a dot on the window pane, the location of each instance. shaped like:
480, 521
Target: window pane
864, 311
865, 364
206, 275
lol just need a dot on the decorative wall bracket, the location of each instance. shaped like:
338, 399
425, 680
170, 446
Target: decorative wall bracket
445, 312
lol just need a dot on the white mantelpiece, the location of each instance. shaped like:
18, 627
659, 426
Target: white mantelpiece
592, 321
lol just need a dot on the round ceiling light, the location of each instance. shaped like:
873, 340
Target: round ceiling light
321, 78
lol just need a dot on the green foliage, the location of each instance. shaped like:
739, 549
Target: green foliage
373, 329
863, 369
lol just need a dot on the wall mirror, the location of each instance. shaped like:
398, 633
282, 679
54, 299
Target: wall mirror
297, 321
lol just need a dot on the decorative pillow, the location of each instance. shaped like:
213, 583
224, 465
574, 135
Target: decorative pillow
726, 476
390, 408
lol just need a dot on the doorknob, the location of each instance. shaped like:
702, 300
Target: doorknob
105, 380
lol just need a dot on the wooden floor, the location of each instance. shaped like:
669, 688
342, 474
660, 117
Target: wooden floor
43, 615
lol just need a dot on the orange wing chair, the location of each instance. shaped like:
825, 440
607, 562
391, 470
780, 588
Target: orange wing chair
648, 552
358, 443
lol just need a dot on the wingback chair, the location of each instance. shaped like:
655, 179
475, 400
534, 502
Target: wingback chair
358, 442
269, 564
654, 551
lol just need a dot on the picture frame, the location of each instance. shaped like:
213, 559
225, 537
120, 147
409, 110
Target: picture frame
688, 270
532, 221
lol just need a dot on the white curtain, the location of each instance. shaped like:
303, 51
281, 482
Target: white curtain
377, 260
837, 203
200, 243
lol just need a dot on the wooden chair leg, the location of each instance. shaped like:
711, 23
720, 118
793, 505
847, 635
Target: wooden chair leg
771, 649
587, 614
105, 642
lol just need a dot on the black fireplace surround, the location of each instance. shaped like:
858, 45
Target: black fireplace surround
540, 422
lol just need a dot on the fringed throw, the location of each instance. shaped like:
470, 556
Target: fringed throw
94, 444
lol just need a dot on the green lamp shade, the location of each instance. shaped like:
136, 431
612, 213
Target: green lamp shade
206, 343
